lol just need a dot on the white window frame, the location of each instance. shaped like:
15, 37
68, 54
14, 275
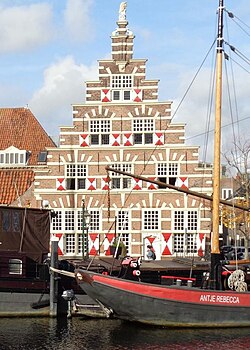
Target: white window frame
188, 221
143, 128
122, 181
151, 220
12, 156
101, 130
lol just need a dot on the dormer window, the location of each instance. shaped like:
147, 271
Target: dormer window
12, 156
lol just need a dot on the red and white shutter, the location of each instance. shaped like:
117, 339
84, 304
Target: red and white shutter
158, 138
168, 244
128, 139
201, 241
84, 140
136, 184
105, 183
105, 95
93, 243
115, 139
91, 184
60, 184
137, 95
182, 182
152, 186
107, 243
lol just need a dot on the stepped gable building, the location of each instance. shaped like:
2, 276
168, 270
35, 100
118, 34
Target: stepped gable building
23, 144
122, 124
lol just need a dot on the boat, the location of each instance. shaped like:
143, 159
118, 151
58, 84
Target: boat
24, 271
222, 300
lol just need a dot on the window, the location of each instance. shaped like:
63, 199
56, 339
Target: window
143, 131
185, 220
122, 223
76, 176
95, 220
15, 267
69, 220
118, 180
167, 173
70, 243
185, 243
57, 221
151, 220
227, 193
121, 87
100, 132
121, 81
12, 156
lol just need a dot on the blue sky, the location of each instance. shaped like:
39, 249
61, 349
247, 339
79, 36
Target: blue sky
50, 47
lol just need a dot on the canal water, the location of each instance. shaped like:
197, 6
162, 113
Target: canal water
93, 334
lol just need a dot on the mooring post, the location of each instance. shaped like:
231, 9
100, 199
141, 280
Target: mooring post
53, 277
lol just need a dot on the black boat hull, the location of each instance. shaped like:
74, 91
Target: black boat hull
168, 306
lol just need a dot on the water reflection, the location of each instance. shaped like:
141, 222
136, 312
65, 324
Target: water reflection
90, 334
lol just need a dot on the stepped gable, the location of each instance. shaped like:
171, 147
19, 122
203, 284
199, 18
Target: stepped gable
20, 128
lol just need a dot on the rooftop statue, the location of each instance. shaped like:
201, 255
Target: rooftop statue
122, 11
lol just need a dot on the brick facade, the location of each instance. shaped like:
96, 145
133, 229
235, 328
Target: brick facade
122, 124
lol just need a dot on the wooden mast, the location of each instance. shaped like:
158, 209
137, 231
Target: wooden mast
215, 268
217, 135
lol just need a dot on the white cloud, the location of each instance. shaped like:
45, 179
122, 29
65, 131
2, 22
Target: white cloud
25, 27
63, 85
77, 19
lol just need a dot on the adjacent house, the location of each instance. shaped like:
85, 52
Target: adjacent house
23, 144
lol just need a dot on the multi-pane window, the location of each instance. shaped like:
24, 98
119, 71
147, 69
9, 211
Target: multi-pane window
192, 220
118, 180
179, 242
227, 193
143, 131
57, 221
121, 87
151, 220
69, 220
185, 243
76, 176
95, 220
185, 220
122, 221
69, 243
179, 220
13, 158
122, 81
99, 132
167, 173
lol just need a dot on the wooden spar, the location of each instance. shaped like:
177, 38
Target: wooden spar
176, 188
217, 135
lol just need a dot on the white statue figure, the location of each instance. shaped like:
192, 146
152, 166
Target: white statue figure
122, 11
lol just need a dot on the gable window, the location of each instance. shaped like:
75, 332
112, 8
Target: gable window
121, 87
118, 180
76, 176
143, 131
167, 173
99, 132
